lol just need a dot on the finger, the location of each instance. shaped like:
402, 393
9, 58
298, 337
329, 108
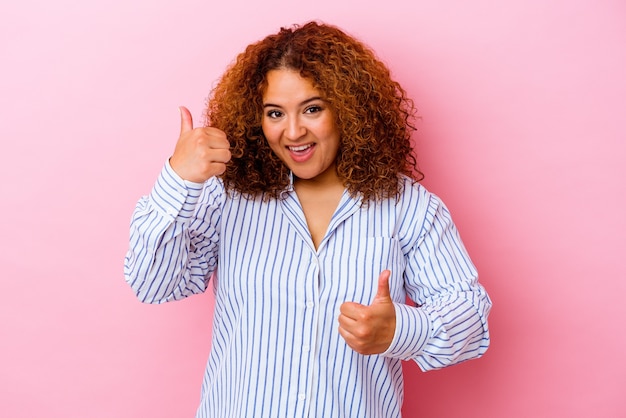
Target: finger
186, 121
346, 335
383, 293
221, 155
346, 322
359, 342
218, 169
216, 138
351, 310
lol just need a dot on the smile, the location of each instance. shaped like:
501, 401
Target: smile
300, 148
302, 153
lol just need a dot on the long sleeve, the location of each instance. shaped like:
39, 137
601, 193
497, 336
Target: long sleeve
275, 348
173, 244
449, 324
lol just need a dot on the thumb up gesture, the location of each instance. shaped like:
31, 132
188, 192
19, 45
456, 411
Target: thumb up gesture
200, 153
369, 329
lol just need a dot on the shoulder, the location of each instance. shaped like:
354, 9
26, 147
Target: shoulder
413, 194
417, 208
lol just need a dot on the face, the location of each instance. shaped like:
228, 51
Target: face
300, 126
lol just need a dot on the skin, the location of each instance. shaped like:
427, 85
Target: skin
200, 153
300, 128
296, 117
369, 329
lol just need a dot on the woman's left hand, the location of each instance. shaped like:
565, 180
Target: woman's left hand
370, 329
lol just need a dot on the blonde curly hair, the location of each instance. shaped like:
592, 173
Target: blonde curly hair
373, 113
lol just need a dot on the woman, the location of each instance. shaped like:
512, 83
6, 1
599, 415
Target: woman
300, 198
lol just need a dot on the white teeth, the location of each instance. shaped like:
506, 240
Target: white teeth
300, 148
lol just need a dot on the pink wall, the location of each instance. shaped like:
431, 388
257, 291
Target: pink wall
523, 106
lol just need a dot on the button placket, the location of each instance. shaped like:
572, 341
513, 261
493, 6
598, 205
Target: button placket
309, 339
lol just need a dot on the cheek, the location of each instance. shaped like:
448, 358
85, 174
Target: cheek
329, 128
333, 136
270, 135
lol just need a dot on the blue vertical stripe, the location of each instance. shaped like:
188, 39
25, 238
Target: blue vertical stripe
276, 351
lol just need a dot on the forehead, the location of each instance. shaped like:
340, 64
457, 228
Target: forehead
287, 86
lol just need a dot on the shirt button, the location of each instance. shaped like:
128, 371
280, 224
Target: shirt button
302, 396
310, 305
306, 348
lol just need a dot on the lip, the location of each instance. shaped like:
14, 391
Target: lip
301, 153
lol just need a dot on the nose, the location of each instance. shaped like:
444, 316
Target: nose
294, 129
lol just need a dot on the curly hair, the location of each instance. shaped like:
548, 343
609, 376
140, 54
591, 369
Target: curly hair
373, 113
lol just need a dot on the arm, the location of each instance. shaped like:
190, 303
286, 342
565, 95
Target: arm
173, 250
450, 323
174, 231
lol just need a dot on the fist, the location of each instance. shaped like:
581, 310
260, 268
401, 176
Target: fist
200, 153
369, 329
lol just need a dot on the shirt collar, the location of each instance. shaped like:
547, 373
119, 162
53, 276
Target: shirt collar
289, 187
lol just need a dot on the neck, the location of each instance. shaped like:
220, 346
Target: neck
325, 181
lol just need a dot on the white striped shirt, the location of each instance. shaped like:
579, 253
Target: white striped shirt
276, 350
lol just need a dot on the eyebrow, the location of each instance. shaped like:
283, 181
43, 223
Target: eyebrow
312, 99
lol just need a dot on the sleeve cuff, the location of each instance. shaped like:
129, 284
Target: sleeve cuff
413, 329
173, 196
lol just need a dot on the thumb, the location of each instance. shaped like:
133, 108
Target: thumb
383, 294
186, 121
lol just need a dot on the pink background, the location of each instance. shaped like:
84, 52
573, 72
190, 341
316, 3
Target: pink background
523, 135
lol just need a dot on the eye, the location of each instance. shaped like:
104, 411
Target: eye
313, 109
274, 114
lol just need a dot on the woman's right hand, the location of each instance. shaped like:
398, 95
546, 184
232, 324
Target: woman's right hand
200, 153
